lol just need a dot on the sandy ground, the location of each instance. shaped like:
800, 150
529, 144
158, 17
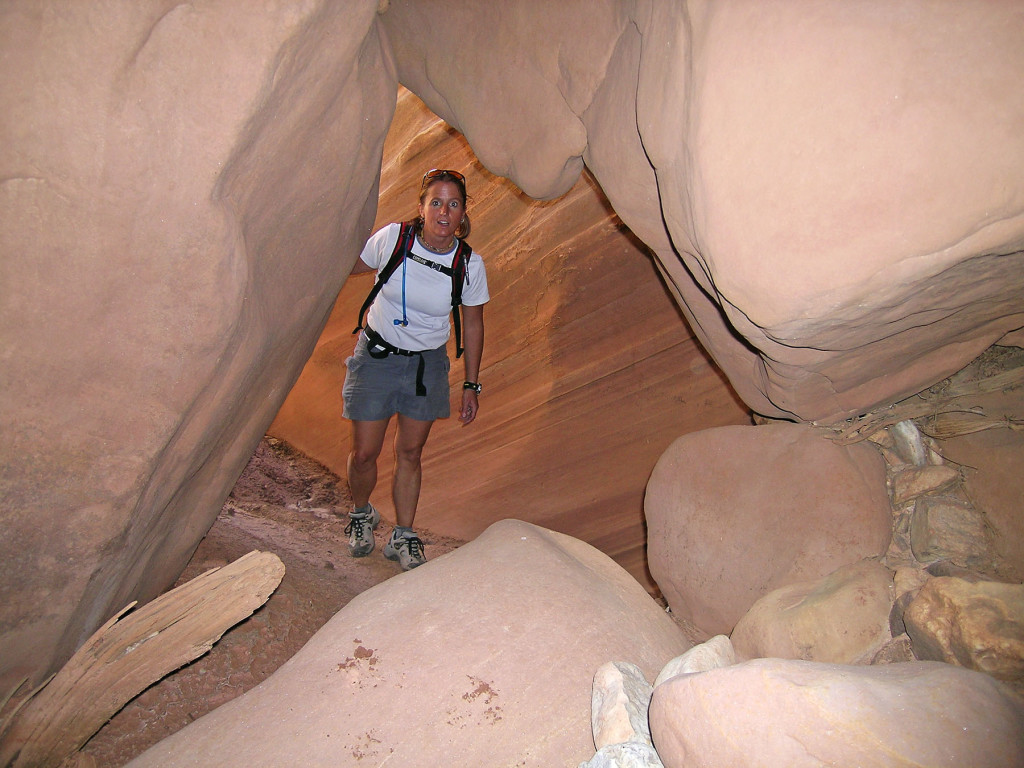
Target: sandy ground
284, 503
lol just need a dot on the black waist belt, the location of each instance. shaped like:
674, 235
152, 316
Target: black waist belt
379, 349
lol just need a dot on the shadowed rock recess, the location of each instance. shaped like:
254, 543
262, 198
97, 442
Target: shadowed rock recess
691, 212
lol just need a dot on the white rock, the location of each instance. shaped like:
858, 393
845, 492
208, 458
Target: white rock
910, 443
711, 654
630, 754
619, 705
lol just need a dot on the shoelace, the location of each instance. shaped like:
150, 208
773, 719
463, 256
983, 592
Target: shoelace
415, 546
357, 524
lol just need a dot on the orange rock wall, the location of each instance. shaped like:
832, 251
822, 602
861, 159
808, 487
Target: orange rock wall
589, 370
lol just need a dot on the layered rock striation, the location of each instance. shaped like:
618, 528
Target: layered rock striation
589, 371
184, 189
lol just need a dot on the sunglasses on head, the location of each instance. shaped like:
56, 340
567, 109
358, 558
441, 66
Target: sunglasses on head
436, 173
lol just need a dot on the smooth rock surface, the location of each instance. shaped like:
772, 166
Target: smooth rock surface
173, 231
842, 618
768, 713
487, 653
723, 506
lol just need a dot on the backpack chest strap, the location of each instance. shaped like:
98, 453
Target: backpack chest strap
428, 263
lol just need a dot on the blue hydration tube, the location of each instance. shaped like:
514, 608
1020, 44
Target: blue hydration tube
405, 318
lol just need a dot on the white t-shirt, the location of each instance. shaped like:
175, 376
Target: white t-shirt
427, 293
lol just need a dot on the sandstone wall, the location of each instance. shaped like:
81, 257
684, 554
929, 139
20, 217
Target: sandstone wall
173, 236
833, 191
589, 370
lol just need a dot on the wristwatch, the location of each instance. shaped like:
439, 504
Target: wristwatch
474, 385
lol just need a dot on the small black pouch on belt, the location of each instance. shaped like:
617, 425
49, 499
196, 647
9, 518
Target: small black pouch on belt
379, 349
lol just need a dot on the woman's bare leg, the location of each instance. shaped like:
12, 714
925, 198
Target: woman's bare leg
409, 441
367, 441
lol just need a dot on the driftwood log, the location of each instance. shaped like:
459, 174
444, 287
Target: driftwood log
131, 652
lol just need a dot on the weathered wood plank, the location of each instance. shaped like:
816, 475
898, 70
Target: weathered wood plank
131, 652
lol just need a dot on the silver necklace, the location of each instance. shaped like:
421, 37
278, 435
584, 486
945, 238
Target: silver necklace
432, 249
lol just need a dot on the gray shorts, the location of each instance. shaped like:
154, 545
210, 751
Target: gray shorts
378, 388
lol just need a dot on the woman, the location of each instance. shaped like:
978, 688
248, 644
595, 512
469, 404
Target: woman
400, 364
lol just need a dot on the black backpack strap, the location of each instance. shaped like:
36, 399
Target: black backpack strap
459, 269
406, 235
460, 265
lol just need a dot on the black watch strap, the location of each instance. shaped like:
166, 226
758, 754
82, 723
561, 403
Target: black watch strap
474, 385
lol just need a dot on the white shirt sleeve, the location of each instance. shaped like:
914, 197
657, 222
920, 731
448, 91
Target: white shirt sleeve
474, 292
380, 246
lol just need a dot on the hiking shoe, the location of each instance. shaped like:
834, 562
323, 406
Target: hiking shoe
360, 531
407, 550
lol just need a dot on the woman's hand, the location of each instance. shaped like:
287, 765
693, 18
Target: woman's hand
470, 406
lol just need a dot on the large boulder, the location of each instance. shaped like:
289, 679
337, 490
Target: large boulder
484, 656
842, 618
846, 218
843, 224
736, 512
770, 712
173, 236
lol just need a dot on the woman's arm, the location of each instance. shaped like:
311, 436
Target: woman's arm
360, 267
376, 250
473, 335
